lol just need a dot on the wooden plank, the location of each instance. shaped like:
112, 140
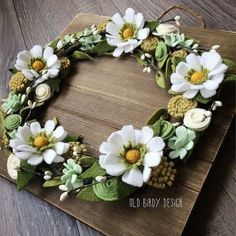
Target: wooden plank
83, 89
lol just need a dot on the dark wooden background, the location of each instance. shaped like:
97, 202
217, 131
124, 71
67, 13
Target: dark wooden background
24, 23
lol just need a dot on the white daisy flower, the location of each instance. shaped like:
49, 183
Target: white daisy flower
199, 74
126, 33
38, 62
35, 144
131, 153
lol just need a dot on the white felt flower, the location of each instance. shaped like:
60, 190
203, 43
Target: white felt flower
199, 74
164, 29
126, 33
131, 153
35, 144
13, 164
38, 62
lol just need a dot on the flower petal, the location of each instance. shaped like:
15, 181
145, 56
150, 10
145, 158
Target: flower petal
28, 74
35, 128
139, 20
211, 60
182, 69
177, 79
49, 156
193, 62
52, 60
24, 133
146, 173
117, 19
128, 134
222, 68
52, 73
23, 155
156, 144
35, 160
129, 15
37, 51
49, 126
143, 33
58, 159
173, 154
133, 177
217, 78
26, 148
114, 166
59, 133
210, 85
181, 87
61, 147
48, 52
145, 135
152, 159
113, 29
118, 51
190, 93
207, 93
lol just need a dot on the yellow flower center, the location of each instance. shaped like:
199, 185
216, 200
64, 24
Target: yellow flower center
38, 65
128, 33
198, 77
132, 156
40, 142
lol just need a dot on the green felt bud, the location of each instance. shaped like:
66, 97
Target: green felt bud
13, 122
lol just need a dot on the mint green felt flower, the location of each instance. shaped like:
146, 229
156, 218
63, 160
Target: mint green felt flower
174, 40
13, 103
70, 175
181, 143
89, 40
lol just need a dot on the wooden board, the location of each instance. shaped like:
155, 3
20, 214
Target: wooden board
102, 96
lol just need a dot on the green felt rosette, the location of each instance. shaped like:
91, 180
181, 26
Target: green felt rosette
166, 130
13, 122
113, 189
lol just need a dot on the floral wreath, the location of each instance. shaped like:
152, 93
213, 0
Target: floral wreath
130, 158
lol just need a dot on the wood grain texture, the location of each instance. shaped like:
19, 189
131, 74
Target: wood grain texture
33, 20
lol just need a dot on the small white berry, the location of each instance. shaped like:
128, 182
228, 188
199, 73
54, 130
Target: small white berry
30, 104
148, 55
142, 57
47, 177
149, 70
145, 69
63, 187
73, 40
95, 32
215, 47
101, 179
177, 18
218, 103
63, 196
195, 46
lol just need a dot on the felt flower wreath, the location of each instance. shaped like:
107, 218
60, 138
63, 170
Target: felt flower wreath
130, 157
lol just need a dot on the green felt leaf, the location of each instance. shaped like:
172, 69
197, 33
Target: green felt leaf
54, 83
160, 79
202, 100
156, 116
151, 25
171, 92
87, 194
230, 78
161, 51
141, 62
94, 171
13, 70
78, 55
231, 64
168, 72
70, 138
26, 173
87, 160
161, 63
102, 47
53, 44
52, 182
156, 127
